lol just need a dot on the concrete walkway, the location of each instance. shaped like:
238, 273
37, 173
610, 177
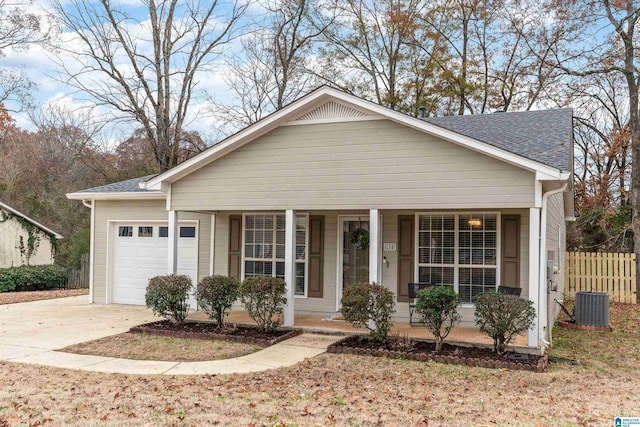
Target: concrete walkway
31, 332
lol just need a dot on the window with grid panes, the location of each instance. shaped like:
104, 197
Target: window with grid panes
458, 250
264, 245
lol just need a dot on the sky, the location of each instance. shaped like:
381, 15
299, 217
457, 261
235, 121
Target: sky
39, 64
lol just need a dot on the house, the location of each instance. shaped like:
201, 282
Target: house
333, 189
24, 240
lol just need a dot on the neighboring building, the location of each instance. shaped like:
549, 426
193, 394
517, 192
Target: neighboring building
333, 189
23, 240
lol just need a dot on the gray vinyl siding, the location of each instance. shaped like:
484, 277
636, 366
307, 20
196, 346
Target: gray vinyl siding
353, 165
558, 245
139, 210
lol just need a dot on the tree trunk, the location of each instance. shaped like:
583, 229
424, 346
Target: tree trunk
635, 179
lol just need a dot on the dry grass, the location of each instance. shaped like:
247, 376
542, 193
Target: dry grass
16, 297
346, 390
327, 390
614, 353
152, 347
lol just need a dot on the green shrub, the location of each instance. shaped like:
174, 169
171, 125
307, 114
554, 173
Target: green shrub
167, 296
216, 295
32, 278
502, 317
365, 302
438, 310
264, 299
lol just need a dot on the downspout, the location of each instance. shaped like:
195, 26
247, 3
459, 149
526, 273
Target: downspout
91, 246
542, 276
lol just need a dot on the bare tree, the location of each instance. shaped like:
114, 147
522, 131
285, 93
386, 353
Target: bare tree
273, 69
19, 29
146, 66
602, 164
367, 51
612, 52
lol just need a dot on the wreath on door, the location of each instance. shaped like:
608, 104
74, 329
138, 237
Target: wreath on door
359, 238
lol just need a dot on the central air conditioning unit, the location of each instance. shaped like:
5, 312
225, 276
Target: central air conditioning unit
592, 309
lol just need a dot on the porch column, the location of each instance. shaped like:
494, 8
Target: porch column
289, 264
534, 269
374, 246
172, 247
212, 244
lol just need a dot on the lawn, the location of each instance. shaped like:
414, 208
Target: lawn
152, 347
348, 390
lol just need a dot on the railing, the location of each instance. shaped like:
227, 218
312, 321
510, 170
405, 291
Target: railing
612, 273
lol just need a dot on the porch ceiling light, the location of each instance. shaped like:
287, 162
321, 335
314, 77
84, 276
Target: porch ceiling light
475, 222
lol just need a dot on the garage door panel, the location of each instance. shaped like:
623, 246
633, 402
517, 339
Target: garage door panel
136, 259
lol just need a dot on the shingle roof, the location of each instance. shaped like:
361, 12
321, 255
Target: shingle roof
128, 186
544, 136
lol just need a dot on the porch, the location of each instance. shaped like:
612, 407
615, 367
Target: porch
320, 252
459, 334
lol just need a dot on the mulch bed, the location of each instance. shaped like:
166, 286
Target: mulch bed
424, 350
29, 296
208, 331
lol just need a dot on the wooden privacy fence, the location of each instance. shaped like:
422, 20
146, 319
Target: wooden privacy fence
613, 273
79, 279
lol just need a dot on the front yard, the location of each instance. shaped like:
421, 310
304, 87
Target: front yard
153, 347
348, 390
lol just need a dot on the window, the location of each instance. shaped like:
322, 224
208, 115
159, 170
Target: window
125, 231
264, 246
459, 250
145, 231
187, 232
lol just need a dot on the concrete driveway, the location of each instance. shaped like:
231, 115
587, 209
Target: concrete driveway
33, 327
30, 332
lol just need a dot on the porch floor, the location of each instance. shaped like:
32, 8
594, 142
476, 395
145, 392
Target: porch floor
459, 334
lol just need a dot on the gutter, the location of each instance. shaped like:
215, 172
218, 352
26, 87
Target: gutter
542, 275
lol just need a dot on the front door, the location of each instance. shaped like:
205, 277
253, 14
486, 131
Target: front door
355, 251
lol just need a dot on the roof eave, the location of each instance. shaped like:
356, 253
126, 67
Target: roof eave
130, 195
32, 221
555, 175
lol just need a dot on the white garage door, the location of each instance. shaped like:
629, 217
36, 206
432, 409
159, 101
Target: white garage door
140, 252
